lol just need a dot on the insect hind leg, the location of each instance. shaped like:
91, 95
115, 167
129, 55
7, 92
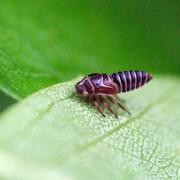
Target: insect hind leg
117, 101
105, 104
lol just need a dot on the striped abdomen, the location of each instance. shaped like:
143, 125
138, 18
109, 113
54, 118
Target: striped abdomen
129, 80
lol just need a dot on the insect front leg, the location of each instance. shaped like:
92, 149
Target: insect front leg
96, 104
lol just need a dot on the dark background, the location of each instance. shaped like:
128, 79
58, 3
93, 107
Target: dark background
82, 37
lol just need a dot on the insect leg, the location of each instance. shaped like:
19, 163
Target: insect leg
119, 100
95, 102
120, 104
115, 101
105, 104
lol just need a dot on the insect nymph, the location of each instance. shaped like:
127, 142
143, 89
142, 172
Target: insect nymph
103, 88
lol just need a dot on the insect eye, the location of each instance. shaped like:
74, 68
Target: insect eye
80, 89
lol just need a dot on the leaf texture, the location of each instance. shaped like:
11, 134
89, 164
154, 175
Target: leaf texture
54, 135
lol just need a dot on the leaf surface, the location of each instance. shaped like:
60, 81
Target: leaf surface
54, 135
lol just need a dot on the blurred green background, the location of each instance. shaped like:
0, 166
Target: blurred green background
68, 38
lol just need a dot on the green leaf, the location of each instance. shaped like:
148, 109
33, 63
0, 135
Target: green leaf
43, 43
54, 135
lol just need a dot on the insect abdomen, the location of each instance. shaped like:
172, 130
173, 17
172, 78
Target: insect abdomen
129, 80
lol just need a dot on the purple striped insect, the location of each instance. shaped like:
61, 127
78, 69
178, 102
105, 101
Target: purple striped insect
103, 88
